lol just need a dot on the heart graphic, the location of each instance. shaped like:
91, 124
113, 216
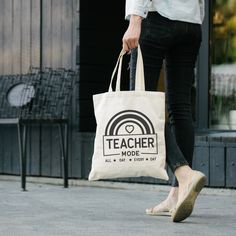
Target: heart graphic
129, 128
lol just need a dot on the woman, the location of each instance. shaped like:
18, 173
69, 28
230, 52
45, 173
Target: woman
170, 31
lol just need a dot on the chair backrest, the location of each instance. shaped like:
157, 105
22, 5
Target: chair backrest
9, 89
37, 95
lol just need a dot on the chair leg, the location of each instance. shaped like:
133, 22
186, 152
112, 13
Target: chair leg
22, 136
64, 149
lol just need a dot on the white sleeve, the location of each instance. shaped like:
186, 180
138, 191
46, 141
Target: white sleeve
202, 9
136, 7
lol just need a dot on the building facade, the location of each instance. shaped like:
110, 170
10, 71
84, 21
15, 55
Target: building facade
76, 34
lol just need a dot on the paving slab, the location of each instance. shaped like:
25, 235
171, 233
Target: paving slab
107, 209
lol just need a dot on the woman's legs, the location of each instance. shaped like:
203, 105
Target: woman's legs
179, 43
176, 161
174, 155
180, 68
154, 47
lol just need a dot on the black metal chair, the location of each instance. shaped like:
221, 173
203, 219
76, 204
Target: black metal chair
38, 97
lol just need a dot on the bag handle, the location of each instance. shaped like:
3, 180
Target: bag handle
139, 75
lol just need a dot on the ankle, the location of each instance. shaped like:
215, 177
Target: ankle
183, 173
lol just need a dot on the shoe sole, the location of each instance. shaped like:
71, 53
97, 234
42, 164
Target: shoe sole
185, 209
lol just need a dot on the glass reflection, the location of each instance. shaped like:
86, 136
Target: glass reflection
223, 65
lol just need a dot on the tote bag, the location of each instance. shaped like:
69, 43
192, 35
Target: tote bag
129, 139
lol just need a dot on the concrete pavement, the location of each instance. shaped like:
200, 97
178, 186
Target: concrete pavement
106, 209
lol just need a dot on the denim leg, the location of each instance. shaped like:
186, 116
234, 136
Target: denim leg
180, 65
153, 55
174, 156
180, 110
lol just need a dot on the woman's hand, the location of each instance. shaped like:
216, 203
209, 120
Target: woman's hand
131, 37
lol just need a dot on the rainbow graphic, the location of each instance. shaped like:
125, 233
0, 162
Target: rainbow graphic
129, 131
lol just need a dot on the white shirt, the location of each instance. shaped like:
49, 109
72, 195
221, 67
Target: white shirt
183, 10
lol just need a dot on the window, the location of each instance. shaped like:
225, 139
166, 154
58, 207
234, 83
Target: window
223, 65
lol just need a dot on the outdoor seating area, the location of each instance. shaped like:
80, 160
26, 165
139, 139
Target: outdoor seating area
38, 97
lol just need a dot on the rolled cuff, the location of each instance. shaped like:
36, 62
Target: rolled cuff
136, 7
143, 14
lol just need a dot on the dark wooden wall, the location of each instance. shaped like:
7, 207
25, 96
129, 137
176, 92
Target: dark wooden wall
20, 34
60, 33
34, 31
19, 38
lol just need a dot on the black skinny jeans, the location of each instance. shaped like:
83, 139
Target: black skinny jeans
177, 43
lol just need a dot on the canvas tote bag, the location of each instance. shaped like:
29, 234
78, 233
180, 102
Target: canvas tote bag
129, 139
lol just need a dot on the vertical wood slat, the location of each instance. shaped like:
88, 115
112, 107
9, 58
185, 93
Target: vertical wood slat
75, 28
7, 162
56, 156
28, 151
75, 42
66, 33
17, 14
46, 149
201, 160
217, 164
34, 153
56, 33
7, 37
231, 165
76, 159
1, 35
1, 150
26, 35
14, 148
87, 145
71, 11
46, 38
35, 33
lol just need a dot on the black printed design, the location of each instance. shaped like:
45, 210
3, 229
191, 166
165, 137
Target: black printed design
127, 132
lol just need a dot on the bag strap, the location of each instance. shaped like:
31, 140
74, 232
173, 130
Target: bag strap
139, 76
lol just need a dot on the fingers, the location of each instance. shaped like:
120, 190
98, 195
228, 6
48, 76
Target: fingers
130, 43
126, 47
131, 37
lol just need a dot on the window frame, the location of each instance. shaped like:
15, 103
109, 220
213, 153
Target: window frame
203, 74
